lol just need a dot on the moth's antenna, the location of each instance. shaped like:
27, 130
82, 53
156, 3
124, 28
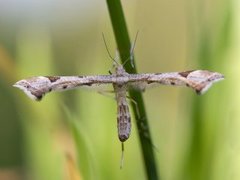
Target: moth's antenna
104, 40
122, 157
133, 47
131, 51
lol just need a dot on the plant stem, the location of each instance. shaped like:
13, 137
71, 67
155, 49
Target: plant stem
124, 46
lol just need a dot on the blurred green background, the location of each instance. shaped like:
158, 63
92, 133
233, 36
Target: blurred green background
73, 135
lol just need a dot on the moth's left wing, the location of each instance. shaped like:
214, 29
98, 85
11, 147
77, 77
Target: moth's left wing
37, 87
199, 80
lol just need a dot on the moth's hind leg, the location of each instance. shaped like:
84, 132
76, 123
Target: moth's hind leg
107, 93
136, 106
142, 130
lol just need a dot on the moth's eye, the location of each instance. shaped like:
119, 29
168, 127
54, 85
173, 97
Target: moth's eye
27, 86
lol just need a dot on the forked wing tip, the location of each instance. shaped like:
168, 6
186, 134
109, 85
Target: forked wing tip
202, 88
26, 91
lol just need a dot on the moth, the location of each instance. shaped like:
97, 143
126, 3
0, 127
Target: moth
199, 80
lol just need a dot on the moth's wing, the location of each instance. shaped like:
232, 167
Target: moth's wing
199, 80
141, 86
37, 87
99, 87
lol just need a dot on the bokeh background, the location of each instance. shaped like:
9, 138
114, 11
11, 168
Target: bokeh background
73, 135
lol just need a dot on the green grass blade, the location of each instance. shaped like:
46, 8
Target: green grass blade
124, 46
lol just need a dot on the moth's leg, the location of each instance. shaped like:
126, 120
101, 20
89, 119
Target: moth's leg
107, 93
117, 55
131, 55
132, 49
122, 156
142, 124
135, 104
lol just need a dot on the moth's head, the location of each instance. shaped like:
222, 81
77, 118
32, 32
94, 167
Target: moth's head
119, 69
35, 87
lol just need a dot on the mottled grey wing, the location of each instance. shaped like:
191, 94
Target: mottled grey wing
37, 87
199, 80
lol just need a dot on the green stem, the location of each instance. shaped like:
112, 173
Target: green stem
124, 46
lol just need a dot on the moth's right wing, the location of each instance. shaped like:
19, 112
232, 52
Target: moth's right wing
199, 80
37, 87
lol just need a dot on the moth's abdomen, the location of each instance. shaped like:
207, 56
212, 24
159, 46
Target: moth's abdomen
123, 122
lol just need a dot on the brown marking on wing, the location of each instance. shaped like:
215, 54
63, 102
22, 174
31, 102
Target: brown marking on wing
199, 87
88, 84
38, 95
53, 78
185, 73
149, 82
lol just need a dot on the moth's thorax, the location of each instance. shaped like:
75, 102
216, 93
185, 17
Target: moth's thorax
120, 76
120, 90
